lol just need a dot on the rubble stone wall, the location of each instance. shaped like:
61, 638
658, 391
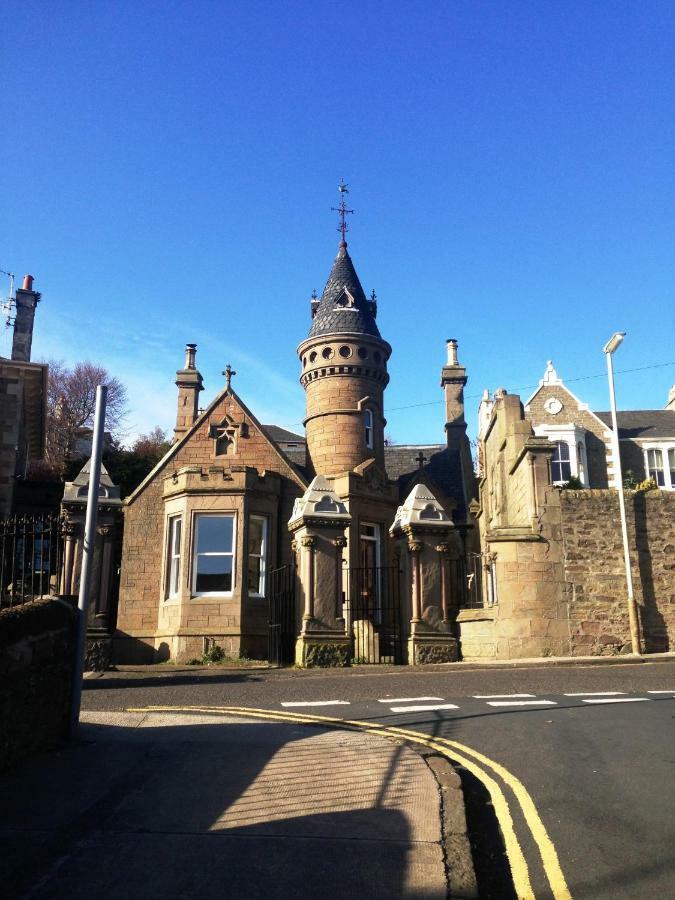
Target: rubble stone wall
594, 571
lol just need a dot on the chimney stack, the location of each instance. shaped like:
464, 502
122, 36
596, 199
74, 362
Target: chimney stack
189, 383
26, 301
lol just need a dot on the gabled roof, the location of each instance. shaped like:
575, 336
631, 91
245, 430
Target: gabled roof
551, 379
300, 478
343, 307
642, 424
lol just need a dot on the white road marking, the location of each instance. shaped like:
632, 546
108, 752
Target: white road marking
424, 708
317, 703
500, 696
662, 692
597, 694
522, 703
407, 699
616, 700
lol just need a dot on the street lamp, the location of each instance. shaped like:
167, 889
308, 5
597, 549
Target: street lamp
612, 344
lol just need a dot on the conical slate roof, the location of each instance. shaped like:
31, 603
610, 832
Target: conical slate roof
343, 307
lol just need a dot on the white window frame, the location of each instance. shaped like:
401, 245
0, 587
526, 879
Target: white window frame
575, 438
173, 556
666, 448
368, 424
195, 552
262, 556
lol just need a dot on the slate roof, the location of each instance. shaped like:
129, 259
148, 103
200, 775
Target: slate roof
642, 424
442, 464
277, 433
333, 319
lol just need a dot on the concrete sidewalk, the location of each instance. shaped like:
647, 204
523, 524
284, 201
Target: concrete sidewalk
205, 806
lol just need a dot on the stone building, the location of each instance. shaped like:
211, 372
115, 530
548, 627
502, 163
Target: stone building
582, 438
234, 501
553, 566
23, 399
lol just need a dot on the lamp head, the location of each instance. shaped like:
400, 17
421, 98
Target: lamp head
614, 342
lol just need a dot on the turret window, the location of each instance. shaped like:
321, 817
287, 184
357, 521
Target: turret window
345, 352
368, 426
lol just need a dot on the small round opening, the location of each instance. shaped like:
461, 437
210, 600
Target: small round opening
376, 357
345, 352
312, 356
327, 352
363, 353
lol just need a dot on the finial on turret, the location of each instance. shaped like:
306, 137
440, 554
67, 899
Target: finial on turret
342, 212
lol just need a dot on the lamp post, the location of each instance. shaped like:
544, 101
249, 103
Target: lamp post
612, 344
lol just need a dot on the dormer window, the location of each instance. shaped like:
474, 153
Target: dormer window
368, 427
345, 300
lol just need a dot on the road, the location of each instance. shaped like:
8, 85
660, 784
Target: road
590, 746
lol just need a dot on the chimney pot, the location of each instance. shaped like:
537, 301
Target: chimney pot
190, 353
28, 282
452, 351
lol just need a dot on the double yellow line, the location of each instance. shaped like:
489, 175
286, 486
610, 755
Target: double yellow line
472, 760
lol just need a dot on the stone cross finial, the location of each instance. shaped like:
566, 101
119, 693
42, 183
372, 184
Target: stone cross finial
228, 373
420, 459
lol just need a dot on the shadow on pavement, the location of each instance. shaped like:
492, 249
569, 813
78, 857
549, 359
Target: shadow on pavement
211, 810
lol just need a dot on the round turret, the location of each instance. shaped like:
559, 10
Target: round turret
344, 374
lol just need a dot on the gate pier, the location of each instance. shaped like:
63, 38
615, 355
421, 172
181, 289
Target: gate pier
433, 556
318, 523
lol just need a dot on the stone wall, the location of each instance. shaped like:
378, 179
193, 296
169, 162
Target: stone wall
594, 572
37, 648
10, 418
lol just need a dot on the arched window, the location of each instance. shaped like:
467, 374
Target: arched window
368, 426
561, 469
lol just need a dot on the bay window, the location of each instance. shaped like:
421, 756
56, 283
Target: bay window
213, 561
257, 551
175, 527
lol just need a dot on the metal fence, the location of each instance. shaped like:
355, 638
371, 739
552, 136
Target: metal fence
282, 617
374, 615
31, 554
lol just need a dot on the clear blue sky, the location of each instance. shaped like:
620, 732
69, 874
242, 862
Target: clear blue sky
167, 172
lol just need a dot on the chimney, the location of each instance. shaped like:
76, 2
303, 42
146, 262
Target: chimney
189, 383
671, 399
453, 380
26, 301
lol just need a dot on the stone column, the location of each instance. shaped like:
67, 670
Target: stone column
318, 523
430, 537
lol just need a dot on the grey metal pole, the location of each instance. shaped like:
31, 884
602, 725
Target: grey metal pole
618, 476
87, 556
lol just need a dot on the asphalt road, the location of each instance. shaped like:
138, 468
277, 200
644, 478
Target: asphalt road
593, 746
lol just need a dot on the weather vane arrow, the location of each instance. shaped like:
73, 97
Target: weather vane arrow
342, 210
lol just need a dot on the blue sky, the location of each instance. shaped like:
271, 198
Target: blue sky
167, 172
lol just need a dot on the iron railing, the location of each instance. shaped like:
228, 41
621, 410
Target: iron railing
31, 555
282, 617
374, 616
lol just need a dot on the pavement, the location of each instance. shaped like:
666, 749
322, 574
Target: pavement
175, 805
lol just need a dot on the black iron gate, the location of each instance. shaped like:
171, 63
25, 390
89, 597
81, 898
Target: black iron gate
282, 617
374, 618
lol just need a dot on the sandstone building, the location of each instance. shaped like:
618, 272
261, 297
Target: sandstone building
375, 537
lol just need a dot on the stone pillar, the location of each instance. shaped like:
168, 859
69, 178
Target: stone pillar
318, 523
430, 537
102, 602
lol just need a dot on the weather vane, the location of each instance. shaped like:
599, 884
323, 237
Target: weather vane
342, 210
